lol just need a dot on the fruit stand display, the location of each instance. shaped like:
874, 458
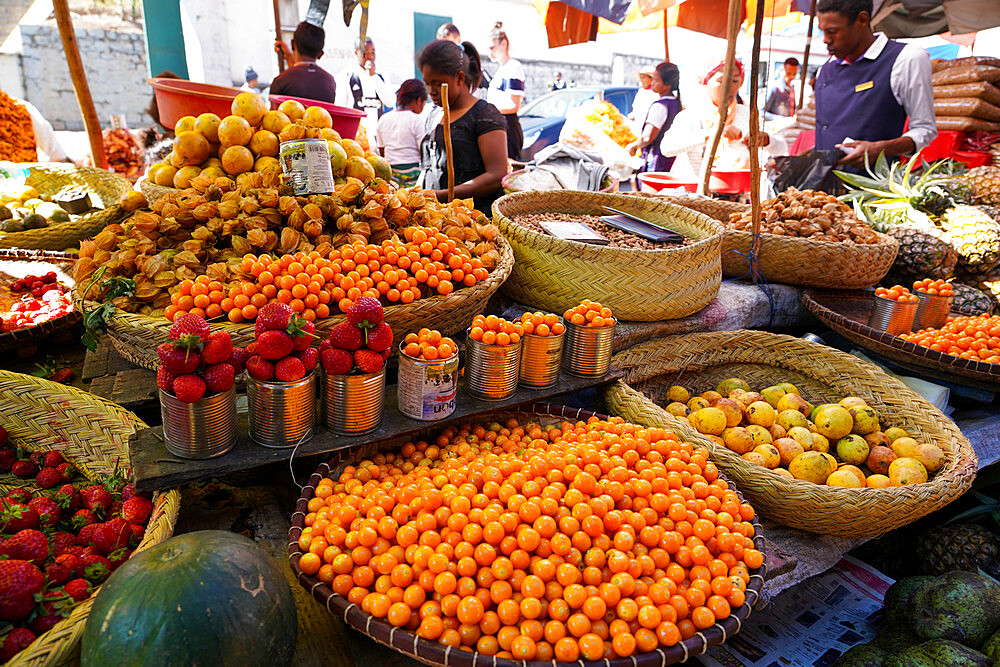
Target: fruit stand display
34, 297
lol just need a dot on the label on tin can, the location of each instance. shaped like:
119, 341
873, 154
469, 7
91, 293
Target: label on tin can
305, 164
428, 391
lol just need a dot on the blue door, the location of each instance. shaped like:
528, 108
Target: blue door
425, 28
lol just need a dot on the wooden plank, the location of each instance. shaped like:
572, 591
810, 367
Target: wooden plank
95, 364
155, 468
103, 386
134, 387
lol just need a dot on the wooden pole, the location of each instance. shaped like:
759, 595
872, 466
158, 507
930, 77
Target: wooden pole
805, 56
754, 139
278, 35
732, 30
449, 156
80, 86
666, 39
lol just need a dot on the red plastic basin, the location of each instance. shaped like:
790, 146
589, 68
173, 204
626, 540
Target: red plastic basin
345, 121
729, 182
176, 98
654, 181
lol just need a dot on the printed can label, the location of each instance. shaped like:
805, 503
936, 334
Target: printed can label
427, 390
305, 164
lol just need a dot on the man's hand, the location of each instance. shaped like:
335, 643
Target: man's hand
732, 132
633, 147
856, 151
763, 139
282, 48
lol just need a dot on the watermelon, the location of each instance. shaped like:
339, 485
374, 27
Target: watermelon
205, 598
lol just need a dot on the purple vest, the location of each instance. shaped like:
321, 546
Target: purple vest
856, 101
655, 161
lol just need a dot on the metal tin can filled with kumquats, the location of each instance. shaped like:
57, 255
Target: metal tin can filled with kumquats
934, 301
893, 310
590, 330
427, 385
305, 164
541, 350
492, 357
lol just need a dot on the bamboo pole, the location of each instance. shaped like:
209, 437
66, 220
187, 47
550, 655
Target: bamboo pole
666, 39
80, 86
754, 138
277, 35
732, 30
449, 156
805, 56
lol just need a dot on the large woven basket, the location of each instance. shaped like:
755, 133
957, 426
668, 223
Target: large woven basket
797, 261
700, 361
847, 314
37, 262
433, 653
136, 337
641, 285
152, 191
93, 435
52, 178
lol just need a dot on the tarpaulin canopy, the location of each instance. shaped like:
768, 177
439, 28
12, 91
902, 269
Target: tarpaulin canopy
921, 18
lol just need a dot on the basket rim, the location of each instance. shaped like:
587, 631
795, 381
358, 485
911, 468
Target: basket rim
590, 252
37, 332
410, 643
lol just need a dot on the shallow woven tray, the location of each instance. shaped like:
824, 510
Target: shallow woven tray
847, 314
433, 653
152, 191
700, 361
92, 434
52, 178
37, 261
136, 337
639, 285
796, 261
511, 185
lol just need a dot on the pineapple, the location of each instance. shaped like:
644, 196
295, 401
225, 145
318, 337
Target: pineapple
969, 299
924, 252
963, 546
975, 236
985, 184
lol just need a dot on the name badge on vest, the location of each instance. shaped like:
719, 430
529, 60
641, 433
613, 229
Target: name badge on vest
864, 86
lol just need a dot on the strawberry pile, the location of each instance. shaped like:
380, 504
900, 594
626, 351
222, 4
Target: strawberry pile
361, 344
42, 299
57, 546
281, 350
197, 361
48, 468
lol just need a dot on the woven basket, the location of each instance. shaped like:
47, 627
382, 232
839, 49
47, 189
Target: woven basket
135, 337
432, 653
700, 361
641, 285
847, 314
797, 261
152, 191
92, 434
52, 178
35, 262
510, 183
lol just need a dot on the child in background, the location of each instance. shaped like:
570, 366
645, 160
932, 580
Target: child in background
401, 131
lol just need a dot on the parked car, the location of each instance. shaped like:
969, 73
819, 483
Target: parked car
542, 119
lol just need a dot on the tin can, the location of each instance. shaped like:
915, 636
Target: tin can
200, 430
427, 390
932, 311
891, 316
588, 350
353, 404
491, 370
305, 164
282, 414
541, 357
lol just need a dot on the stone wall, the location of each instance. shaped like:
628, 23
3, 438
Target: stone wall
115, 62
11, 12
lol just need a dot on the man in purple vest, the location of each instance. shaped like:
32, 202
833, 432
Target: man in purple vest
868, 88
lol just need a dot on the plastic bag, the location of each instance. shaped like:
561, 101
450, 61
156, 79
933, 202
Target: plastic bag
984, 90
581, 133
966, 106
965, 74
809, 171
965, 124
939, 65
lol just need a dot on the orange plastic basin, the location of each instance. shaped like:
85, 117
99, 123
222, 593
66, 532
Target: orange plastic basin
730, 182
176, 98
345, 121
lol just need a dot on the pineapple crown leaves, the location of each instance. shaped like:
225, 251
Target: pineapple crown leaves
896, 188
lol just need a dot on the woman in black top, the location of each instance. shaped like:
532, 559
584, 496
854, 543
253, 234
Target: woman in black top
478, 130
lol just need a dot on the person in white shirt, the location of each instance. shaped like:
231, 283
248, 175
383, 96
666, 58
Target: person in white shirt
644, 97
360, 87
401, 131
250, 81
506, 91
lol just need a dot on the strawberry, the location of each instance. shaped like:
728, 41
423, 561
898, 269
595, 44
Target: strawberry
19, 582
219, 378
15, 516
16, 641
138, 532
128, 491
366, 312
52, 459
289, 369
273, 316
86, 535
117, 557
82, 518
218, 349
69, 561
346, 337
165, 379
48, 510
379, 337
368, 361
137, 509
189, 388
116, 508
20, 495
336, 361
68, 498
303, 337
308, 357
239, 359
111, 535
251, 349
3, 436
324, 344
188, 330
386, 353
7, 459
78, 589
38, 458
260, 368
66, 471
48, 478
30, 545
24, 469
57, 574
96, 567
274, 345
61, 541
176, 360
56, 605
96, 498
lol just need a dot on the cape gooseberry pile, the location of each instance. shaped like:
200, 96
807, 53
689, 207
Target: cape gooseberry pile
582, 540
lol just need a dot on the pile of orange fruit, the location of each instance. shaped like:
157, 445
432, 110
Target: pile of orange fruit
970, 337
427, 263
570, 541
934, 287
493, 330
429, 345
542, 324
589, 313
896, 293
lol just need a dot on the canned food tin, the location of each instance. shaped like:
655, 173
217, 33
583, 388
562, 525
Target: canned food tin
282, 414
427, 390
588, 350
306, 166
891, 316
491, 370
932, 311
541, 357
353, 404
200, 430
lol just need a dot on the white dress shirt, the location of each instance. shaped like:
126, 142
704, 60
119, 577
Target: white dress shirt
910, 82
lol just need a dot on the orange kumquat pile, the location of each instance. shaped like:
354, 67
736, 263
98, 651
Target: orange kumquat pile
429, 345
970, 337
542, 324
896, 293
934, 287
493, 330
589, 313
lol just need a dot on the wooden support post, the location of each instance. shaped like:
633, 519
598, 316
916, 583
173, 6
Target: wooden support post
277, 34
79, 77
666, 39
805, 56
755, 134
732, 30
449, 155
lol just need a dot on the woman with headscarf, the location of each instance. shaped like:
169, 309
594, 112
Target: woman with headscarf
693, 129
659, 118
